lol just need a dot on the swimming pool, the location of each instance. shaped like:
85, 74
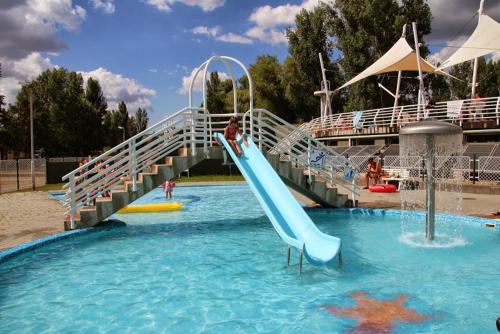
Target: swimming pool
219, 267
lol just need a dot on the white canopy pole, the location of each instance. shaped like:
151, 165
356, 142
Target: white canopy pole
327, 109
476, 60
398, 84
420, 77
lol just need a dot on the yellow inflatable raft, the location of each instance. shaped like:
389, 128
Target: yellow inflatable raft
158, 207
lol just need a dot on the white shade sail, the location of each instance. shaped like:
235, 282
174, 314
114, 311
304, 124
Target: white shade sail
484, 40
400, 57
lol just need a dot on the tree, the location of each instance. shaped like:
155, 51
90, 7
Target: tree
64, 121
215, 94
123, 120
488, 76
364, 30
95, 96
302, 75
140, 120
267, 76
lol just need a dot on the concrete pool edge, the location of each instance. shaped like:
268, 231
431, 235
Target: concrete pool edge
26, 247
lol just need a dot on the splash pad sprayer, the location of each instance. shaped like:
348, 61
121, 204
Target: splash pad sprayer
427, 139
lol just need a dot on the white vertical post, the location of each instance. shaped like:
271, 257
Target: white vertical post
259, 120
497, 110
133, 164
32, 143
205, 132
72, 201
399, 115
309, 179
193, 136
476, 60
420, 77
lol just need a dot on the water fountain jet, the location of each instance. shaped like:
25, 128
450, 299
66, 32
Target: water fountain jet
429, 139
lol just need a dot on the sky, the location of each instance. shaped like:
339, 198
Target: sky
144, 51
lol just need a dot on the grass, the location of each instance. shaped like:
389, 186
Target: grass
210, 178
199, 178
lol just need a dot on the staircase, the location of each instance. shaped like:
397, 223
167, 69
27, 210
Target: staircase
119, 176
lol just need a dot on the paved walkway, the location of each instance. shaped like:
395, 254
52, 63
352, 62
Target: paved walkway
28, 216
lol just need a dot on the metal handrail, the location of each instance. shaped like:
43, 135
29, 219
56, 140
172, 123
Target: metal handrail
185, 128
278, 136
470, 110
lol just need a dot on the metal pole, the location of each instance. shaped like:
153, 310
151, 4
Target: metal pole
288, 257
430, 193
32, 144
474, 72
398, 84
420, 77
327, 111
300, 262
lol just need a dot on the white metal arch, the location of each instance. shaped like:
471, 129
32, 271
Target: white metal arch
226, 60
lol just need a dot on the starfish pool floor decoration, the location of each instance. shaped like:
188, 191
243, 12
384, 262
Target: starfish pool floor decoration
377, 316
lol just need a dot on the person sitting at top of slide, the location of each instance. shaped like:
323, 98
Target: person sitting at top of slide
372, 172
230, 132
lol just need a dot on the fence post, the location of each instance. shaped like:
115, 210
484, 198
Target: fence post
133, 164
474, 168
17, 174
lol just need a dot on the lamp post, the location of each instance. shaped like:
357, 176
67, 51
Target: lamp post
123, 131
32, 143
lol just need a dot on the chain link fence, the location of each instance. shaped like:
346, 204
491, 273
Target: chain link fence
489, 170
16, 174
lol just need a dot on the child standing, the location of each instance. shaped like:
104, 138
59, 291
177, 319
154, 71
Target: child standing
168, 187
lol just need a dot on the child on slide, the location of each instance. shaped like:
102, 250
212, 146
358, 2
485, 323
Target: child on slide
230, 132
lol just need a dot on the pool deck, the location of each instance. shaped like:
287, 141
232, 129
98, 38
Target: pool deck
28, 216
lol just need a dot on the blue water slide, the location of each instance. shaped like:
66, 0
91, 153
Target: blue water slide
287, 216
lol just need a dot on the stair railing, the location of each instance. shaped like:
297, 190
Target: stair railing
277, 136
187, 128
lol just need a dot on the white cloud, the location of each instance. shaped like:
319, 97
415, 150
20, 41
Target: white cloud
233, 38
55, 12
496, 56
215, 32
270, 36
205, 5
446, 51
153, 70
198, 84
202, 30
267, 17
28, 26
117, 88
107, 6
16, 72
270, 22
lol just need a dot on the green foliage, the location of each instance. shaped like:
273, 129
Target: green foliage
302, 75
364, 31
267, 75
140, 121
488, 79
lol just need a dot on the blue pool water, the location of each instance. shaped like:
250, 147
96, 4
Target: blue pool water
218, 267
